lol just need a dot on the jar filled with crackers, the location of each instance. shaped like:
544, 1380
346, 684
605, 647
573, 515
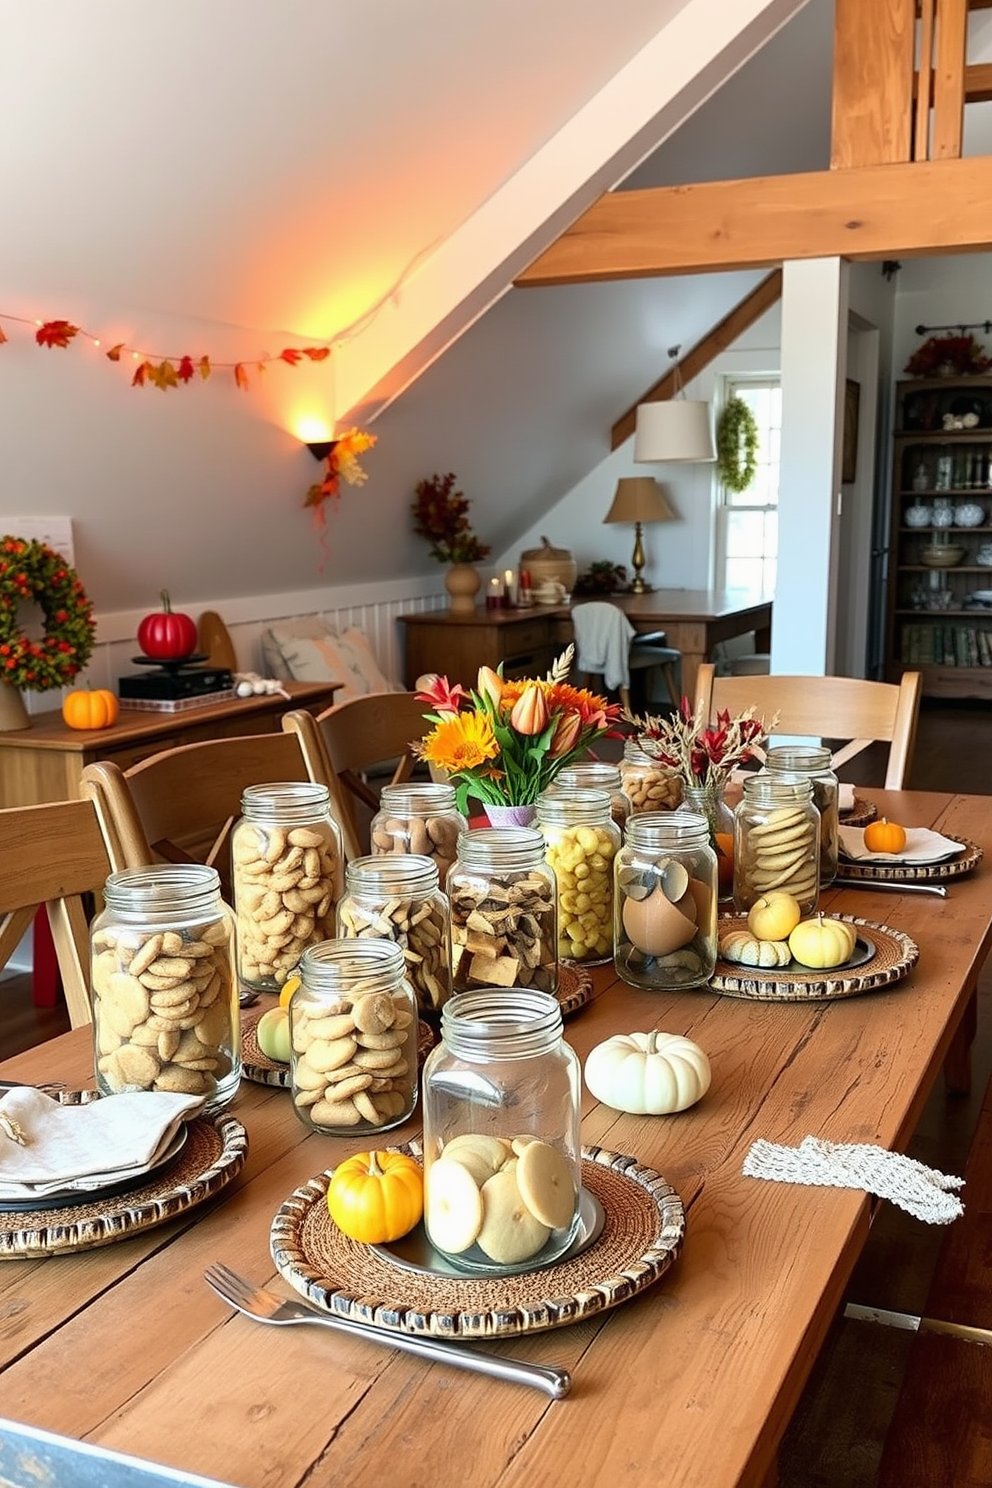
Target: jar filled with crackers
777, 840
165, 993
581, 840
398, 898
422, 819
287, 870
815, 761
504, 920
666, 901
648, 784
353, 1033
597, 775
502, 1154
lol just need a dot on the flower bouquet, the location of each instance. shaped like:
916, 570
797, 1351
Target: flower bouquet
505, 742
959, 356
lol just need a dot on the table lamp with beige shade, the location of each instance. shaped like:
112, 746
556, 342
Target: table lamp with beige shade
639, 499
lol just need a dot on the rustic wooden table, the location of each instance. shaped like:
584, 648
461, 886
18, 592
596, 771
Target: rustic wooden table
693, 1382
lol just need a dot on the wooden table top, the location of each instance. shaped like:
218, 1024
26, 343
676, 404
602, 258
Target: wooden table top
693, 1382
659, 605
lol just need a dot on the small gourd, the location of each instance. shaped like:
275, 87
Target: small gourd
376, 1197
648, 1074
883, 836
746, 949
86, 708
272, 1035
822, 943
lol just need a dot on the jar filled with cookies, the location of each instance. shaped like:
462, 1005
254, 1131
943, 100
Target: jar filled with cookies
504, 921
815, 761
165, 993
353, 1034
649, 784
666, 901
399, 899
287, 873
502, 1155
597, 775
422, 819
777, 840
581, 840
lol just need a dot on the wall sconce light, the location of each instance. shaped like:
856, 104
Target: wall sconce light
640, 499
320, 448
676, 428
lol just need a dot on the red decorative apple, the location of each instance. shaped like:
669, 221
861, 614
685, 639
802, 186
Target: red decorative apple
167, 635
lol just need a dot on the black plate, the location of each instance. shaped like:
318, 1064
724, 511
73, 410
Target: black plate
66, 1198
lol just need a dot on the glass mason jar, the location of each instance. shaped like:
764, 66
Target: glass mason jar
665, 925
777, 840
581, 840
420, 819
597, 775
710, 800
353, 1032
165, 994
504, 930
502, 1154
814, 761
647, 783
286, 855
397, 898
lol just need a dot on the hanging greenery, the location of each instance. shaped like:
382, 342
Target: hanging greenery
736, 445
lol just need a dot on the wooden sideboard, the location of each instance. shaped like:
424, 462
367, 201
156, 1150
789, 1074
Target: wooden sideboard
45, 762
527, 641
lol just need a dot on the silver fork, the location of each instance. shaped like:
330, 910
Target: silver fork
266, 1307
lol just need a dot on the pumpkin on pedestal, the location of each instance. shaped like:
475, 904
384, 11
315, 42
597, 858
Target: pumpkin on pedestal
167, 635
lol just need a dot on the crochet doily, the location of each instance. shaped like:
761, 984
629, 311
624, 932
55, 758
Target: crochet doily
921, 1191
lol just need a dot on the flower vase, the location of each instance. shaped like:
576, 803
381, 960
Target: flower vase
13, 714
463, 583
709, 800
510, 816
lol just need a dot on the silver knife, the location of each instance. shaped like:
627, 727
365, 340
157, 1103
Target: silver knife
892, 888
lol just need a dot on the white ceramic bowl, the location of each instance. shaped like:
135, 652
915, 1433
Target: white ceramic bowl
918, 516
969, 515
945, 556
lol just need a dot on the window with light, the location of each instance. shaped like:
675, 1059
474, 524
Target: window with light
747, 548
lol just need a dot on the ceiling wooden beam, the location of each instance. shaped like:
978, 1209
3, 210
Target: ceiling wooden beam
750, 309
873, 212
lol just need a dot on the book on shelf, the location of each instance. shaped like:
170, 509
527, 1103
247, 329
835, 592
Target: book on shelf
984, 649
949, 650
972, 634
961, 645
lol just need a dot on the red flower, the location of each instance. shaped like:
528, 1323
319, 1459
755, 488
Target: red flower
442, 696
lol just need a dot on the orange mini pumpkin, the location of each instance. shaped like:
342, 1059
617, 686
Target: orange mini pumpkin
90, 709
884, 836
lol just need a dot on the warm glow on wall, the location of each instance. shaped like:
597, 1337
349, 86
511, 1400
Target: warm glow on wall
311, 429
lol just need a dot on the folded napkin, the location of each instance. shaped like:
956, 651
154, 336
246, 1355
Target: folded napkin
922, 846
845, 796
921, 1191
47, 1147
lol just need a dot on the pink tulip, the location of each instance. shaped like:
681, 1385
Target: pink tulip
489, 685
566, 734
530, 712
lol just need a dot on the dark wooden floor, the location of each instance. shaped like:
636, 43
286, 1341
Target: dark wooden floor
836, 1435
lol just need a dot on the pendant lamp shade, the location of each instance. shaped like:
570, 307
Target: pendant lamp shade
675, 429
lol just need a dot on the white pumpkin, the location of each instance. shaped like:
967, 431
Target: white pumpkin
747, 950
648, 1074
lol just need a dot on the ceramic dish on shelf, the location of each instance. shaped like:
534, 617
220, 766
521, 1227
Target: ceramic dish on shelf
641, 1237
895, 955
969, 514
941, 555
981, 596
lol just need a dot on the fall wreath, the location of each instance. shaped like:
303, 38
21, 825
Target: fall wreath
29, 571
737, 445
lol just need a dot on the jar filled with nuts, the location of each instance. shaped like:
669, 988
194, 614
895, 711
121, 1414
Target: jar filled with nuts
165, 1004
581, 840
353, 1032
777, 840
666, 901
502, 1156
503, 911
647, 783
287, 872
423, 819
597, 775
398, 898
811, 760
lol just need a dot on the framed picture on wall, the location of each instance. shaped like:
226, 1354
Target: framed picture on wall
849, 451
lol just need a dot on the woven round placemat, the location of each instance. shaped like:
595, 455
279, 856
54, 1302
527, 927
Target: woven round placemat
895, 956
917, 872
860, 814
574, 987
641, 1238
262, 1070
214, 1154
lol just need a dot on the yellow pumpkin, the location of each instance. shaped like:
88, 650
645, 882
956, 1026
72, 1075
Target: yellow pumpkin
376, 1196
90, 709
822, 943
883, 836
774, 915
272, 1033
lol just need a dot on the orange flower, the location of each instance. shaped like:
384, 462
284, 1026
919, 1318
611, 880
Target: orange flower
566, 734
461, 743
530, 711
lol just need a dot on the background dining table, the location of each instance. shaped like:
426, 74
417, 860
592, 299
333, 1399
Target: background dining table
691, 1382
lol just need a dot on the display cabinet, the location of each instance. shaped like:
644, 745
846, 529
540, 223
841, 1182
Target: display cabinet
940, 555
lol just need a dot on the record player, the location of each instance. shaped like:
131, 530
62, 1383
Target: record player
174, 681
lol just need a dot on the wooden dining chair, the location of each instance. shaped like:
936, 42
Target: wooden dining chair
180, 805
830, 708
366, 734
54, 856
